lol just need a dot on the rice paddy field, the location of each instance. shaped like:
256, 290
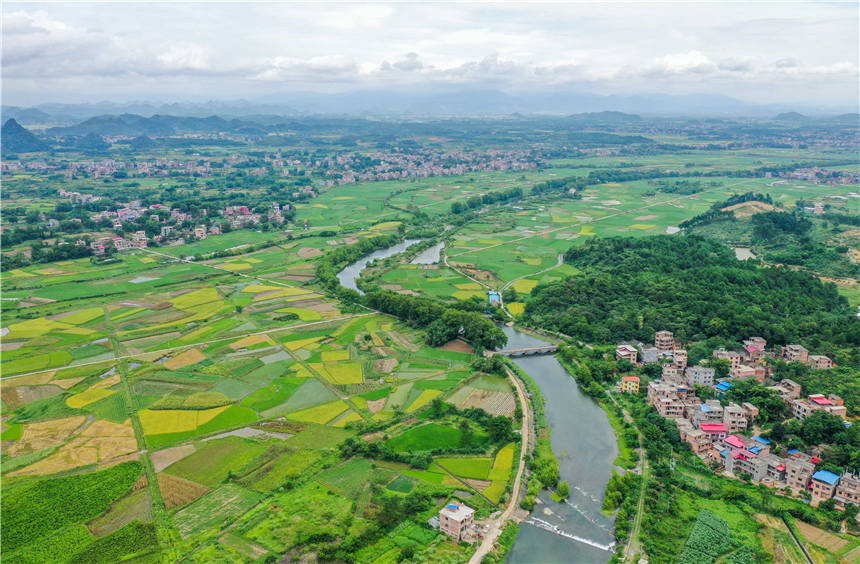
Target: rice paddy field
229, 382
214, 402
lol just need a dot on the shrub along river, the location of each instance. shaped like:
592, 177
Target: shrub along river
584, 442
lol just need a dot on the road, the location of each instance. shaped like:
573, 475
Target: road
556, 265
634, 546
496, 525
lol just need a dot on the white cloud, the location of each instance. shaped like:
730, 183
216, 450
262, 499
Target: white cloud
783, 50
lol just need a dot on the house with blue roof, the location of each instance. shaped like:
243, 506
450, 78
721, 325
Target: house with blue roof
823, 486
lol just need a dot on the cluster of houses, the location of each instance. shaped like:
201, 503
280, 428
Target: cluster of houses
716, 432
171, 230
422, 164
752, 361
819, 176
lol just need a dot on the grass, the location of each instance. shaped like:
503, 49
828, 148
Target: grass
503, 463
470, 467
348, 478
212, 463
425, 438
345, 373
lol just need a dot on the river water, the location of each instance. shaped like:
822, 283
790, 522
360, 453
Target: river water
348, 275
431, 255
575, 531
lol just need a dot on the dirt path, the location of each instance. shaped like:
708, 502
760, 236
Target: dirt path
634, 545
496, 525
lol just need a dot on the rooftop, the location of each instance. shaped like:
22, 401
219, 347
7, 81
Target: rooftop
821, 401
735, 441
630, 378
826, 477
761, 440
457, 512
713, 428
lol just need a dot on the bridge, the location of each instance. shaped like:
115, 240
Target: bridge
527, 351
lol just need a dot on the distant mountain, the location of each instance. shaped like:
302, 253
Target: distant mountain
27, 115
790, 116
133, 125
438, 101
16, 139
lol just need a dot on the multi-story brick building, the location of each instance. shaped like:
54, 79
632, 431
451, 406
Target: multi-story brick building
798, 473
457, 521
848, 490
700, 375
664, 341
823, 486
795, 353
820, 362
627, 352
630, 384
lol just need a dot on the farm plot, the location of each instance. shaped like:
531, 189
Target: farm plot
217, 507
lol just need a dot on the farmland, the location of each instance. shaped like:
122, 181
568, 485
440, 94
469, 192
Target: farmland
218, 398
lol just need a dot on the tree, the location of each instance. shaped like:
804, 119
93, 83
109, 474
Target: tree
466, 433
820, 427
563, 491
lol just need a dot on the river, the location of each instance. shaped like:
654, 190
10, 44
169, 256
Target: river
348, 275
575, 531
431, 255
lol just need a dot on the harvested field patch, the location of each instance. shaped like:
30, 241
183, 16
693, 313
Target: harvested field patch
645, 217
458, 345
376, 406
45, 434
28, 394
309, 252
189, 357
497, 403
821, 537
250, 341
385, 365
30, 380
163, 458
746, 209
66, 383
102, 440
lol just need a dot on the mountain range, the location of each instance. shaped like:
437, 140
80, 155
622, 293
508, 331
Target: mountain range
392, 103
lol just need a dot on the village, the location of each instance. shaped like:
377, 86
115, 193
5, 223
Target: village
724, 434
175, 226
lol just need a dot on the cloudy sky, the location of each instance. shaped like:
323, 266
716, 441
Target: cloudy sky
805, 53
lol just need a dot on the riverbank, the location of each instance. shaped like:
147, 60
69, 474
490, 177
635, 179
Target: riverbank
577, 444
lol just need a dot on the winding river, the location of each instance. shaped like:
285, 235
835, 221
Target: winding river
350, 274
575, 531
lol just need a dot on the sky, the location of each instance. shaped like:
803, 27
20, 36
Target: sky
786, 53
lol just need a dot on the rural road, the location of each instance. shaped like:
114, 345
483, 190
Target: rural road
515, 280
496, 525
